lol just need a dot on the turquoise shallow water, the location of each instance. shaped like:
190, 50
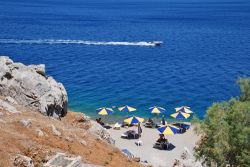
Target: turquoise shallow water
206, 48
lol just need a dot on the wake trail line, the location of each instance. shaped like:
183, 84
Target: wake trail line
79, 42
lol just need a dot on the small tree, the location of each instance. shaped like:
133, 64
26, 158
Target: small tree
244, 84
226, 132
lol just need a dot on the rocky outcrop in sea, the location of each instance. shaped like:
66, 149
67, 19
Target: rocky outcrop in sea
31, 87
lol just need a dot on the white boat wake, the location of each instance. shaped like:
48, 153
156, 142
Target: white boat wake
80, 42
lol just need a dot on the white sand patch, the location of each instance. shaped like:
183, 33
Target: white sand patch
158, 158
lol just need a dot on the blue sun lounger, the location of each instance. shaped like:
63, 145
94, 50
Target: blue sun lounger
127, 153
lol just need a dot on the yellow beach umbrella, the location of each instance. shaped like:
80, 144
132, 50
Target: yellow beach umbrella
184, 109
168, 129
180, 115
126, 109
104, 111
133, 120
156, 110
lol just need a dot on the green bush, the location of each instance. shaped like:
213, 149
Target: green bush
226, 131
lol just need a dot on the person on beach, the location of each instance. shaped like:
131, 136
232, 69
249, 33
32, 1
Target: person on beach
99, 120
150, 120
163, 120
161, 139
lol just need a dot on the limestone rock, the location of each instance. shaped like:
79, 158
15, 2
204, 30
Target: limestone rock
69, 139
30, 86
40, 69
55, 131
187, 160
39, 133
101, 132
83, 142
23, 161
61, 159
10, 100
64, 160
26, 123
187, 163
90, 165
177, 163
6, 106
82, 121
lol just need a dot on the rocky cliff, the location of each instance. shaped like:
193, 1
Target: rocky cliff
31, 139
31, 87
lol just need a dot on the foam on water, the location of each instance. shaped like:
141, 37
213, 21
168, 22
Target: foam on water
81, 42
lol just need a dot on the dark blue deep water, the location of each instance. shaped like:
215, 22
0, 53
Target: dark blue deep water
206, 48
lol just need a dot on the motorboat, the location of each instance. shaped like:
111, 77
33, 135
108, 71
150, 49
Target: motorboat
156, 43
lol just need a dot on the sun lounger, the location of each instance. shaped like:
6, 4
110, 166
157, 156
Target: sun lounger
126, 125
127, 153
151, 125
183, 127
162, 145
131, 134
106, 126
130, 155
117, 126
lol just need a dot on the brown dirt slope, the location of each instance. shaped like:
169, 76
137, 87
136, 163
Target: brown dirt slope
15, 138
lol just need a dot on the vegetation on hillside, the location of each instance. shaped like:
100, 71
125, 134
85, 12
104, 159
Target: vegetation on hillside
226, 131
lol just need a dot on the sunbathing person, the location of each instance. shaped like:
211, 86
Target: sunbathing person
150, 121
162, 143
161, 139
99, 120
151, 124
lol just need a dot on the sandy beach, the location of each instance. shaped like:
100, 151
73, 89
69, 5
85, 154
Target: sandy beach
146, 152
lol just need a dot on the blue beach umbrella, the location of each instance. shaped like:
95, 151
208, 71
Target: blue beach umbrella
126, 109
184, 109
168, 129
104, 111
180, 115
133, 120
156, 110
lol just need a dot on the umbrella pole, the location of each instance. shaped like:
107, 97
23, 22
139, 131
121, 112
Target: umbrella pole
154, 118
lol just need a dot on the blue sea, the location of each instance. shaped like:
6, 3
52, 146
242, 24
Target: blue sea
206, 47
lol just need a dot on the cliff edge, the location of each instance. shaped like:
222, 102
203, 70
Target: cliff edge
29, 138
31, 87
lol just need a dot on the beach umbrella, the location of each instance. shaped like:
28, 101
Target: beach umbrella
180, 115
156, 110
133, 120
168, 129
104, 111
184, 109
126, 109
